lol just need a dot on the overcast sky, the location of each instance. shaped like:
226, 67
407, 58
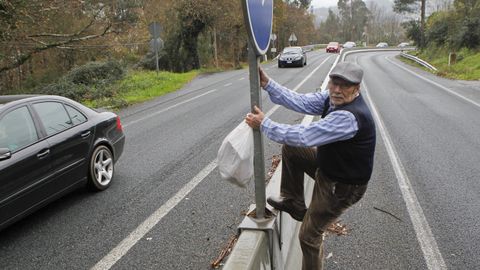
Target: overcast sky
324, 3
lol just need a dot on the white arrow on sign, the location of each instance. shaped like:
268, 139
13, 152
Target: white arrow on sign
292, 37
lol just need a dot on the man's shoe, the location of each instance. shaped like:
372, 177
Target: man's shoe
294, 209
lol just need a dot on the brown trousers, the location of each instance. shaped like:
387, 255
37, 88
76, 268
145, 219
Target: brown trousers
329, 200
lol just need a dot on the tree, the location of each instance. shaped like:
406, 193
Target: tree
230, 32
409, 6
291, 18
383, 25
188, 19
305, 4
329, 30
353, 18
26, 34
437, 31
44, 35
413, 30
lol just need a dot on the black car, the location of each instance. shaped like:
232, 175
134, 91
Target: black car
50, 145
292, 56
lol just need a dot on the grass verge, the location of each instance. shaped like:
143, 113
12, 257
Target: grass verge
467, 66
140, 86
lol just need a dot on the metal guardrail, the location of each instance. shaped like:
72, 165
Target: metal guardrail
345, 52
418, 60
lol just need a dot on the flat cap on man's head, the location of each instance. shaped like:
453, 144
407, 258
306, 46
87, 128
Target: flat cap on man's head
348, 71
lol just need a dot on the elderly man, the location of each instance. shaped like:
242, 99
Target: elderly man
336, 151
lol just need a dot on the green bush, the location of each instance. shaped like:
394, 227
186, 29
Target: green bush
100, 90
88, 82
64, 88
468, 35
438, 28
95, 72
413, 32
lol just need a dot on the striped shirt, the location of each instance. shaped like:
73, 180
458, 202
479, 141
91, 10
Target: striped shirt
336, 126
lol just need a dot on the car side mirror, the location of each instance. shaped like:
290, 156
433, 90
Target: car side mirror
5, 153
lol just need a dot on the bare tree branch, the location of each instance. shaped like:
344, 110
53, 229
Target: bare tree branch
25, 57
92, 21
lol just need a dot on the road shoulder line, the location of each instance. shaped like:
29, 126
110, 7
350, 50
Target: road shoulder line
123, 247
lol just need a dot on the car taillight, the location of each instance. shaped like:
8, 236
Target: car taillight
119, 124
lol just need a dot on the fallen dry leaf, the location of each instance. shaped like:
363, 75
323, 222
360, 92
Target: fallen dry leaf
225, 251
337, 228
275, 161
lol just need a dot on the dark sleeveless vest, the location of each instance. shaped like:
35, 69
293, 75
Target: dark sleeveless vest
350, 161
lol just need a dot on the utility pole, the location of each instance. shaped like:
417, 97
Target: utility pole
351, 20
422, 24
215, 46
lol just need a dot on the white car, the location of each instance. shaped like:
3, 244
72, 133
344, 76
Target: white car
382, 45
403, 44
349, 44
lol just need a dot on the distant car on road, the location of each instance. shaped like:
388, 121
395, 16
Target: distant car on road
382, 45
48, 146
292, 56
333, 47
349, 44
403, 45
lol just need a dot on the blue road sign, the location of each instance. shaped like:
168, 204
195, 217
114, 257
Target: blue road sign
259, 15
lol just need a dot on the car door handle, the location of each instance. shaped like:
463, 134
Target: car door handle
86, 134
43, 153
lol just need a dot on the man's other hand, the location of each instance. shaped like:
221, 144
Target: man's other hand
263, 78
254, 120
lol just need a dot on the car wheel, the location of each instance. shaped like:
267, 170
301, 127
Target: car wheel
100, 170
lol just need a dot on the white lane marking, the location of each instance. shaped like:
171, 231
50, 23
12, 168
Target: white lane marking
228, 84
121, 249
435, 83
241, 78
425, 237
166, 109
274, 108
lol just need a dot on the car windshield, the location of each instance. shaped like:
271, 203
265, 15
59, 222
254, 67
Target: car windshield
333, 44
292, 50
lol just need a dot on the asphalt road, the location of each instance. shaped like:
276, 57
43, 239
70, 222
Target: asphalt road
433, 126
169, 209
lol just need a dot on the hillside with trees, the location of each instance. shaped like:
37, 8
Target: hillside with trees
44, 40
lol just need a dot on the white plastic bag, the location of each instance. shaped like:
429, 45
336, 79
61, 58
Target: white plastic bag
235, 156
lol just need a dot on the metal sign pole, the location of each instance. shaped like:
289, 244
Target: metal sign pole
258, 17
258, 159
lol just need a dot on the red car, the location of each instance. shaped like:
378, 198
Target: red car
333, 47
